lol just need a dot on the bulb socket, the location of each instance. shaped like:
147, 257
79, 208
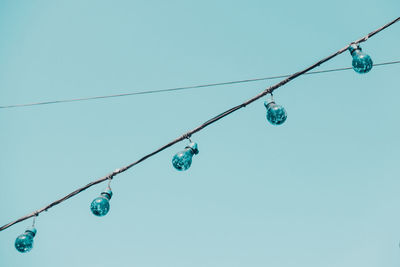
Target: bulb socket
107, 193
269, 104
32, 231
353, 47
193, 146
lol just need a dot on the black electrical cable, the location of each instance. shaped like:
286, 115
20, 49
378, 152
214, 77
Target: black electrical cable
180, 88
188, 134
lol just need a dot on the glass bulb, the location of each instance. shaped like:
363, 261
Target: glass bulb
276, 114
182, 160
101, 205
362, 63
24, 242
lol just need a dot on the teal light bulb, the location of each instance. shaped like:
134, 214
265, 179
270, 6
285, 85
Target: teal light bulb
362, 63
24, 242
276, 114
182, 160
101, 205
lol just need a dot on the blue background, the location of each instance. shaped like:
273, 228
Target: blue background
320, 190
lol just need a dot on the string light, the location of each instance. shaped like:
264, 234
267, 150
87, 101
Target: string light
101, 205
182, 160
362, 63
276, 115
24, 242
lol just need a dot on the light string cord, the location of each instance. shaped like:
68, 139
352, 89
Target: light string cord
60, 101
187, 135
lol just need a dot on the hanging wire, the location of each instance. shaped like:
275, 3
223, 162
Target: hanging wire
109, 183
187, 136
199, 128
34, 221
272, 98
181, 88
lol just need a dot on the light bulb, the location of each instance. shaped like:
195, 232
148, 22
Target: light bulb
362, 63
24, 242
182, 160
276, 114
101, 205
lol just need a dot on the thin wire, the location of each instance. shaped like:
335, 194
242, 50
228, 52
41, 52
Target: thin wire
199, 128
109, 183
34, 220
181, 88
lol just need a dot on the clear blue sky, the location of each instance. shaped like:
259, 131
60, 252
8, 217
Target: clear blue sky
322, 190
